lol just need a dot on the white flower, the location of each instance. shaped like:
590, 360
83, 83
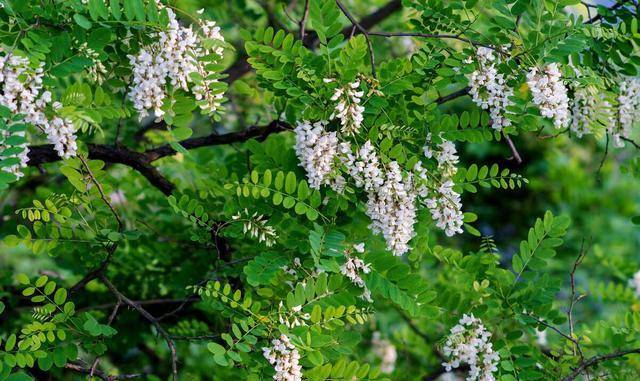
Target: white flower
318, 151
541, 338
386, 352
176, 58
352, 269
446, 209
285, 359
391, 207
348, 109
468, 343
21, 90
628, 110
489, 89
635, 282
550, 93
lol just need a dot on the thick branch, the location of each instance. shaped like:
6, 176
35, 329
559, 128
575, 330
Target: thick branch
257, 132
599, 16
141, 161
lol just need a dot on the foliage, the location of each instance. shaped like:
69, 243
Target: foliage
334, 186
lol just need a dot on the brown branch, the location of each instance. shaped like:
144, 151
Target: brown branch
437, 36
76, 367
362, 30
161, 331
456, 94
598, 359
257, 132
599, 16
512, 147
141, 161
96, 272
630, 141
45, 153
303, 21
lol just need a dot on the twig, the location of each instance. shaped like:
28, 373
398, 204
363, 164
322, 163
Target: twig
512, 147
364, 32
76, 367
103, 196
606, 152
578, 262
152, 320
303, 21
437, 36
599, 16
598, 359
630, 141
456, 94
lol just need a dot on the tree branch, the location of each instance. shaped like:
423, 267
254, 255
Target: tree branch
613, 7
76, 367
141, 161
512, 147
598, 359
152, 320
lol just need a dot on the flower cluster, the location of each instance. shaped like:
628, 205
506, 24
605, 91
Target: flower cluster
635, 282
348, 109
285, 359
392, 209
386, 352
97, 71
257, 226
318, 151
444, 203
22, 92
489, 89
178, 57
550, 93
468, 342
582, 109
628, 110
352, 269
292, 318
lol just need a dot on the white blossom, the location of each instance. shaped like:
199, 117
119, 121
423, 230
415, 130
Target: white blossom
635, 283
175, 58
628, 110
365, 168
489, 89
386, 352
318, 152
348, 109
582, 109
446, 209
550, 93
468, 343
392, 209
352, 269
21, 90
285, 359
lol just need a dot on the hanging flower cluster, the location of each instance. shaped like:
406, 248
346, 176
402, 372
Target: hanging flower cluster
97, 71
179, 57
318, 151
583, 105
628, 110
635, 282
444, 203
21, 90
352, 269
489, 89
550, 93
285, 359
348, 109
468, 343
386, 352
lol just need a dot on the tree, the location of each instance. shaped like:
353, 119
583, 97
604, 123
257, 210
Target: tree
279, 193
